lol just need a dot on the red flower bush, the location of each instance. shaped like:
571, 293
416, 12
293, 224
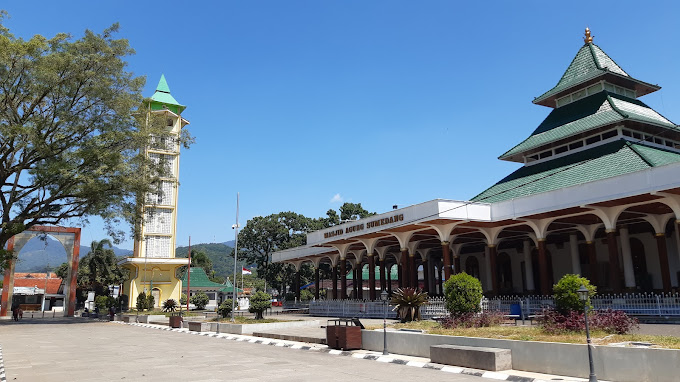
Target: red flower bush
609, 321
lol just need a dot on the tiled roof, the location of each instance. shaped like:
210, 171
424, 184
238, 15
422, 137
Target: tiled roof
31, 280
594, 111
600, 162
163, 96
200, 280
590, 62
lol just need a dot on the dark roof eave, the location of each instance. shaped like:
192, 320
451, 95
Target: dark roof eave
548, 100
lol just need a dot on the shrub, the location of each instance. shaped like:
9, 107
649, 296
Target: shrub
150, 301
609, 321
170, 305
142, 301
259, 303
463, 294
225, 308
614, 321
566, 297
200, 300
101, 302
183, 299
408, 302
473, 320
306, 295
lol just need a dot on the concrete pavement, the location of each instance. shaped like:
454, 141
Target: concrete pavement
85, 350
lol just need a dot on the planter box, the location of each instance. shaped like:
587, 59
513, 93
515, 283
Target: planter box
250, 328
175, 321
145, 319
611, 363
198, 326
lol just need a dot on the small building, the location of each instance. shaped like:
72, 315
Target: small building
38, 291
216, 292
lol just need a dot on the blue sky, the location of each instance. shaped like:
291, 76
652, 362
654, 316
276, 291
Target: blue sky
302, 105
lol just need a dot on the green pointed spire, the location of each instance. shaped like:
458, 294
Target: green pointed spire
163, 85
163, 99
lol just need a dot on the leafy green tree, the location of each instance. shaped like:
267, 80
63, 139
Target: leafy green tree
225, 308
200, 300
69, 136
183, 299
463, 294
566, 297
150, 301
353, 211
260, 302
199, 259
142, 301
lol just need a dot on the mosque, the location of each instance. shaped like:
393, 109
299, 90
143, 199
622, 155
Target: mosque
598, 195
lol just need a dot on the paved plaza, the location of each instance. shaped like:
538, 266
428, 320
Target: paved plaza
84, 350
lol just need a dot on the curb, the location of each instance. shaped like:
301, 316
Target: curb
3, 378
324, 349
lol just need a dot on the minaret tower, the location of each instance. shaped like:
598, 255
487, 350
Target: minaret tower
153, 265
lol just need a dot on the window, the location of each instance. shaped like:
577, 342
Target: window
627, 133
560, 150
576, 145
609, 134
545, 154
591, 140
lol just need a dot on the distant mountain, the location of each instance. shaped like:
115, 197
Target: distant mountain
38, 254
221, 255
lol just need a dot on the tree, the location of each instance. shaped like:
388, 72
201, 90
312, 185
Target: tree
463, 294
262, 236
200, 259
200, 300
353, 211
225, 308
70, 139
566, 295
260, 302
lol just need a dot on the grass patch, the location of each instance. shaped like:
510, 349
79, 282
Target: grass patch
534, 333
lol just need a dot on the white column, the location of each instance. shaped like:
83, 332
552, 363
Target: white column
575, 258
487, 268
628, 273
528, 266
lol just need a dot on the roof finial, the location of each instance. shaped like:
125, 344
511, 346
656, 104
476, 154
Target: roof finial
588, 39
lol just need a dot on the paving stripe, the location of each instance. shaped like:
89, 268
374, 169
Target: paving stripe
325, 349
2, 367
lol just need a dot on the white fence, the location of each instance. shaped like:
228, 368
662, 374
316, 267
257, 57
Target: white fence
639, 304
643, 304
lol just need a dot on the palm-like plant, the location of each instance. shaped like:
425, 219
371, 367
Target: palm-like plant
408, 302
170, 305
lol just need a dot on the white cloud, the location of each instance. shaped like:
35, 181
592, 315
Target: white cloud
336, 198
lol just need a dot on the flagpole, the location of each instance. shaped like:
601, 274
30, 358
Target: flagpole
235, 227
188, 277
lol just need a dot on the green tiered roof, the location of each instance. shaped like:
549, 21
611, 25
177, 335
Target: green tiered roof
594, 111
590, 62
200, 280
600, 162
162, 98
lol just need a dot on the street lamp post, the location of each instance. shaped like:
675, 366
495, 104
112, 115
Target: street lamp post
583, 295
383, 297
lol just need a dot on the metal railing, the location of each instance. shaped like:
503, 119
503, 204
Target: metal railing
639, 304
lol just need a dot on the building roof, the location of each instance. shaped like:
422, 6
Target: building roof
590, 63
30, 280
597, 110
200, 280
599, 162
162, 97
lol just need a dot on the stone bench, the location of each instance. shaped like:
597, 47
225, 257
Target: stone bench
199, 326
493, 359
